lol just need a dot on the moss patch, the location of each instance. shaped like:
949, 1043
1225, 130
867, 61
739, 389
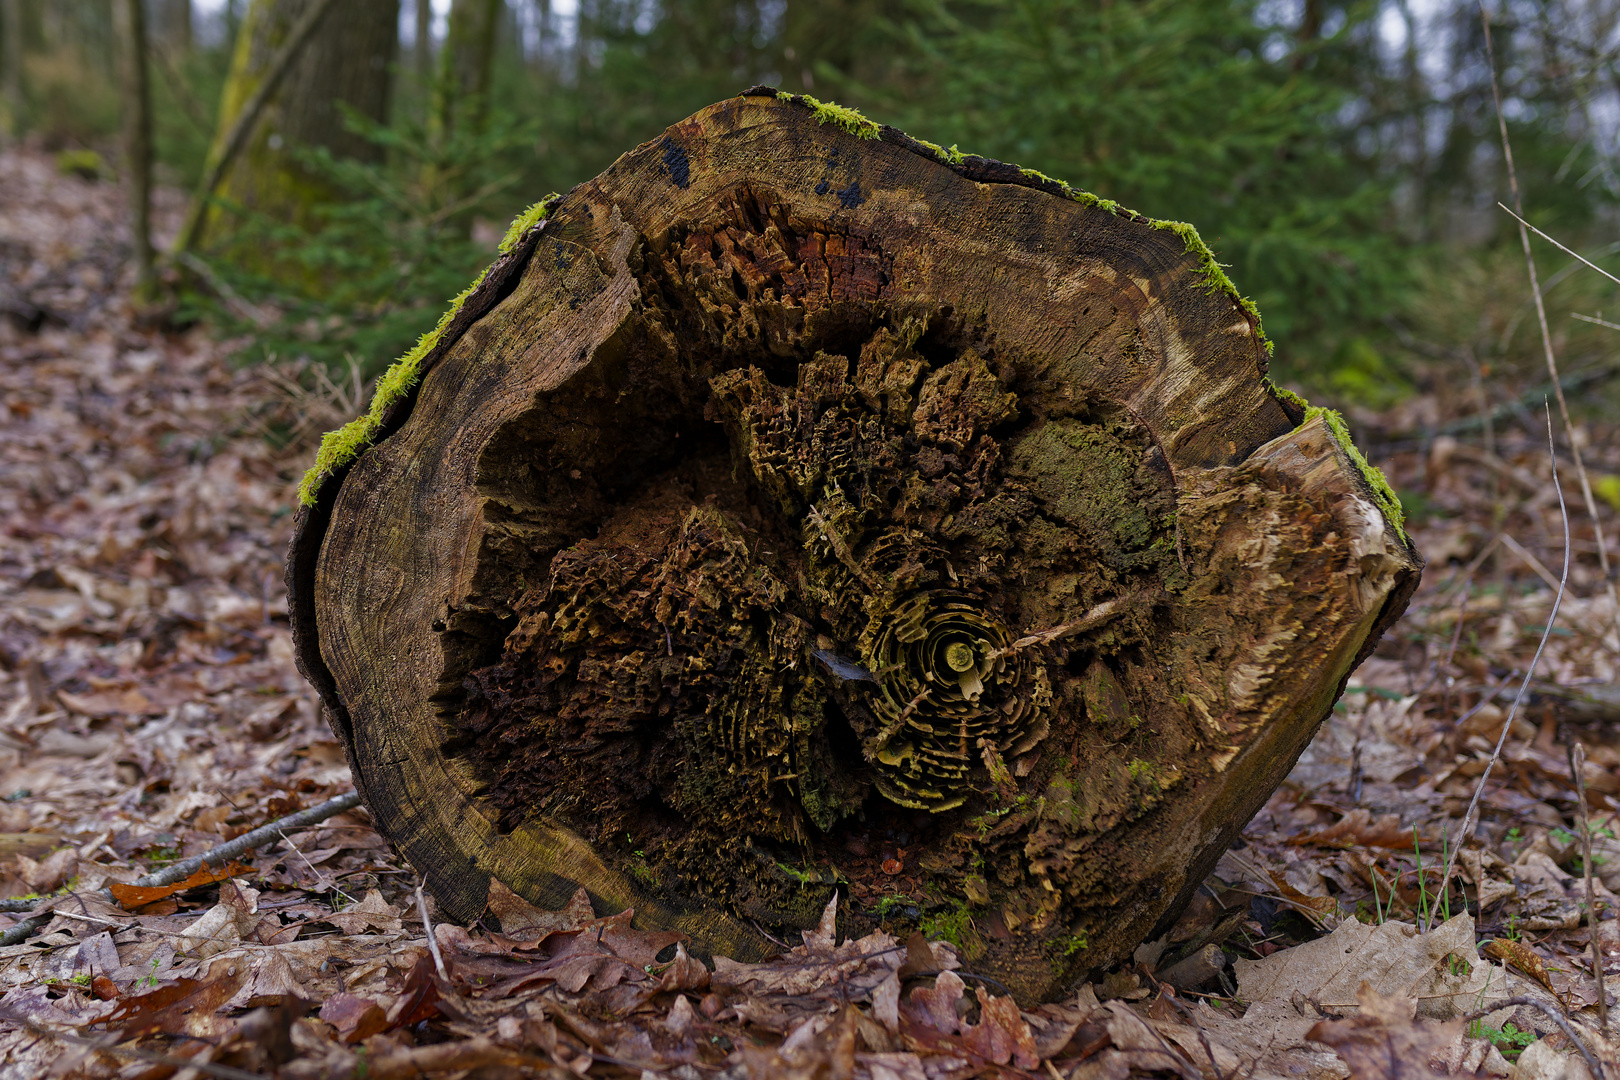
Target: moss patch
841, 116
1214, 274
525, 221
1287, 395
947, 156
342, 446
1385, 496
1212, 271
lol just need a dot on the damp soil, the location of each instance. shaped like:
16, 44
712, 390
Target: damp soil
799, 612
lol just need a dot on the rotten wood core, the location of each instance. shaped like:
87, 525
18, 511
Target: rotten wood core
795, 506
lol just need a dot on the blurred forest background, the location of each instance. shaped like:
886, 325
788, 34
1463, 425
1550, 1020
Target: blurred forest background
1342, 157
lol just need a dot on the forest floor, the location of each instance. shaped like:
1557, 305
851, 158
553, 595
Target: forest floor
149, 710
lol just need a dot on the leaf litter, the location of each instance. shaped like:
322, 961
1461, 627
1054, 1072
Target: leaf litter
150, 711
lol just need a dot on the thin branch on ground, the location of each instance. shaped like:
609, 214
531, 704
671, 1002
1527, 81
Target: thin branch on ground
1529, 559
1577, 773
427, 928
180, 871
1467, 826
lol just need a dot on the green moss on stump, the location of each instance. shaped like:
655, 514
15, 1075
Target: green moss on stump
1210, 268
342, 446
1284, 394
1387, 500
840, 116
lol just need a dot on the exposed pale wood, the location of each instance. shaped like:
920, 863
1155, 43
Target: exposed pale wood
1174, 575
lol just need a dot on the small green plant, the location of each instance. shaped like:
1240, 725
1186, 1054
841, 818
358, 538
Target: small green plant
889, 904
955, 926
1423, 882
149, 980
1074, 943
82, 979
810, 875
163, 856
1507, 1038
1379, 908
1567, 837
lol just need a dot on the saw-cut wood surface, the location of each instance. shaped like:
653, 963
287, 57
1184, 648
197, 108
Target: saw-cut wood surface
796, 512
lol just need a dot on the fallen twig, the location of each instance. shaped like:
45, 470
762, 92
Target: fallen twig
1577, 773
427, 928
1518, 698
180, 871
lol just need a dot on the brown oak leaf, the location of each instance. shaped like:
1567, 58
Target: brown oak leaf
1384, 1041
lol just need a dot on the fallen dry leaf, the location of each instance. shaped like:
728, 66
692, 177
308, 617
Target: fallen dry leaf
371, 913
1359, 827
1441, 968
50, 872
356, 1018
184, 1008
1383, 1040
136, 896
1520, 956
522, 921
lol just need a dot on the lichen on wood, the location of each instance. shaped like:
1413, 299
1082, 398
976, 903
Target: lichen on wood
814, 517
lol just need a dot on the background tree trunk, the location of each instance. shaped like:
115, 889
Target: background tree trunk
138, 142
348, 61
795, 513
461, 92
423, 48
172, 25
11, 59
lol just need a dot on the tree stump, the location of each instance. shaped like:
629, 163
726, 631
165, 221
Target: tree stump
801, 508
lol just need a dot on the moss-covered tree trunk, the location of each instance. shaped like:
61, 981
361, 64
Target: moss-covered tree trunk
802, 508
348, 61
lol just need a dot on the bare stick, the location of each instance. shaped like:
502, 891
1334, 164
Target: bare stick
1529, 673
1530, 560
138, 144
248, 841
183, 869
236, 139
1561, 247
427, 928
1577, 773
1546, 334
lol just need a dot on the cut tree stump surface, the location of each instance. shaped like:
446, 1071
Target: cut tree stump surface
793, 511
